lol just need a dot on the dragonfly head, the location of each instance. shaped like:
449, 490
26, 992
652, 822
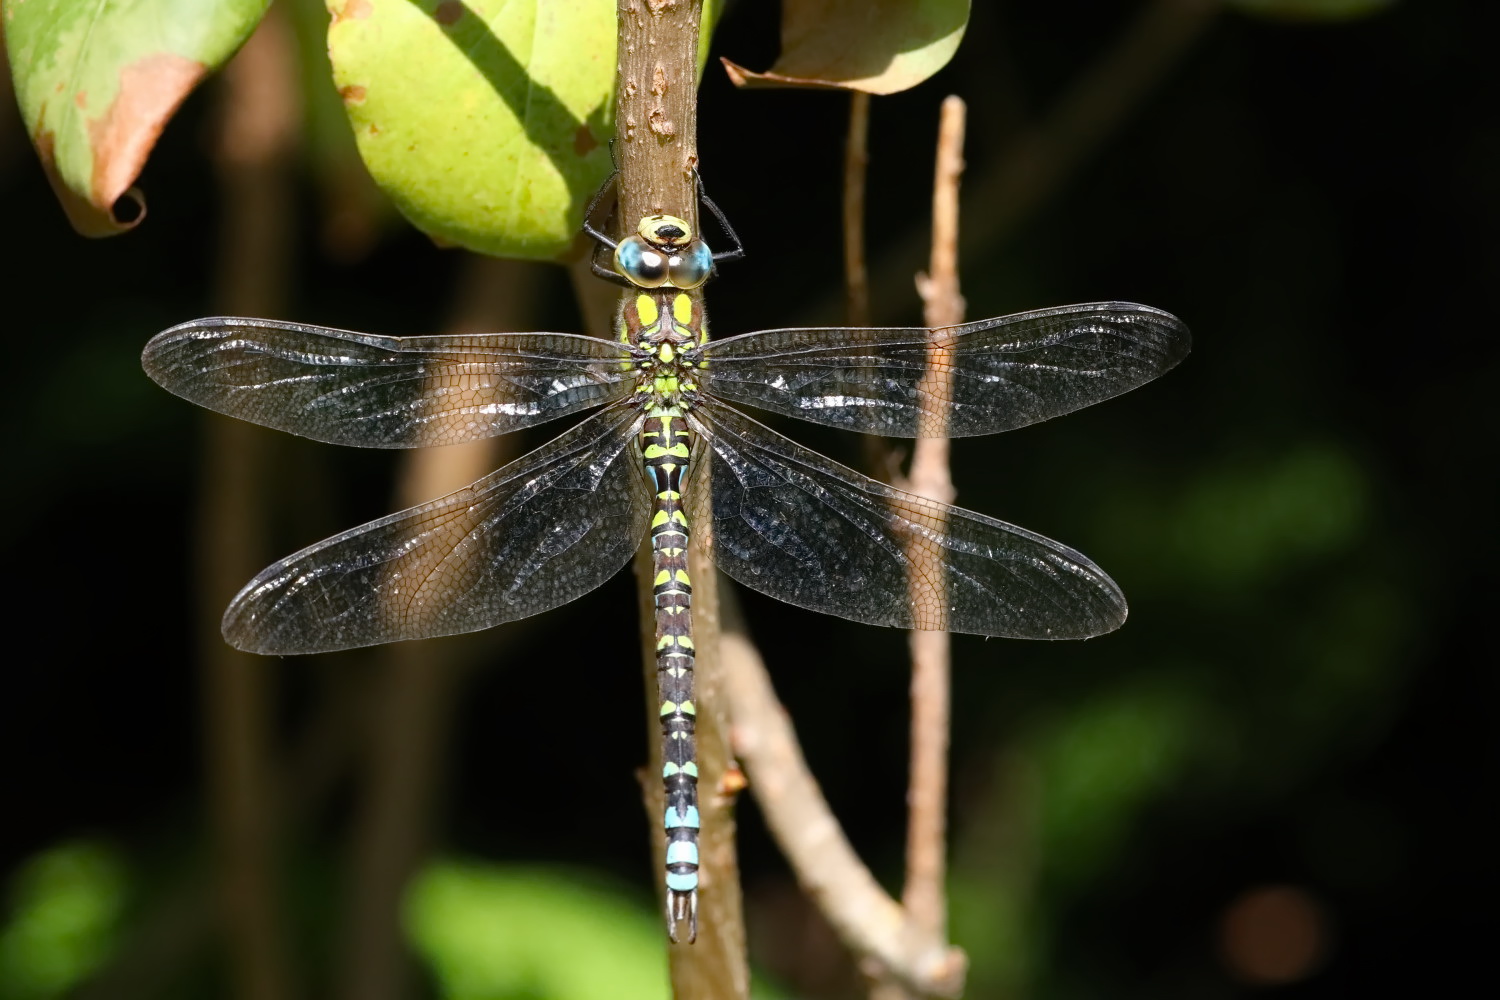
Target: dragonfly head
664, 252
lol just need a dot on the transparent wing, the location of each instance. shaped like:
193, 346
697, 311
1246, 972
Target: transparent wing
543, 530
384, 392
804, 529
1000, 373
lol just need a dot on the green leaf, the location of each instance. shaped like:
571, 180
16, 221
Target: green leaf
485, 121
97, 82
877, 46
1311, 10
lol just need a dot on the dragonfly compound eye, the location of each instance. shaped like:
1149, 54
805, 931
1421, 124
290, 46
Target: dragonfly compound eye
640, 263
692, 267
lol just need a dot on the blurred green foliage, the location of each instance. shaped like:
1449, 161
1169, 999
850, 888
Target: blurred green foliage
62, 919
1246, 521
493, 932
489, 931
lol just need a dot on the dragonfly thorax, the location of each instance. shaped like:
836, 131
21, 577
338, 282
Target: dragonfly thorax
665, 328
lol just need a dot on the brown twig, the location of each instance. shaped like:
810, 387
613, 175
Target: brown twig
252, 157
420, 682
880, 459
657, 149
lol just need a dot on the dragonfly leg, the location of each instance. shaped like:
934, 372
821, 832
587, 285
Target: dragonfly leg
738, 250
607, 273
588, 214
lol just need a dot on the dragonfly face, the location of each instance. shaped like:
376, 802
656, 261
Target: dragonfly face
663, 252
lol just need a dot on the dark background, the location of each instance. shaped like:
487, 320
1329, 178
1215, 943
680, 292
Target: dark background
1284, 753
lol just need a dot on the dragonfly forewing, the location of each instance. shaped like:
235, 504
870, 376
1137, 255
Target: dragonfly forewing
802, 528
539, 532
1003, 373
360, 389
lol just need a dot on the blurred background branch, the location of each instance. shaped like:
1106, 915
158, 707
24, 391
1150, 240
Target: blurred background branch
254, 158
407, 738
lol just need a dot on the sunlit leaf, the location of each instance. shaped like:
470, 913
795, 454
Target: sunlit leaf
486, 122
65, 906
1312, 10
877, 46
98, 81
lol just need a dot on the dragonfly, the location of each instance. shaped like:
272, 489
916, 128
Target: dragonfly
665, 451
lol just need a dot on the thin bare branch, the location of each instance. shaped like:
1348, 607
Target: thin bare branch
926, 866
931, 652
880, 458
939, 288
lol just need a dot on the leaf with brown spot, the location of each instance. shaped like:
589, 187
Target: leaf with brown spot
875, 46
97, 83
348, 9
467, 114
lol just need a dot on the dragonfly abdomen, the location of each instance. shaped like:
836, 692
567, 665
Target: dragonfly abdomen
666, 444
